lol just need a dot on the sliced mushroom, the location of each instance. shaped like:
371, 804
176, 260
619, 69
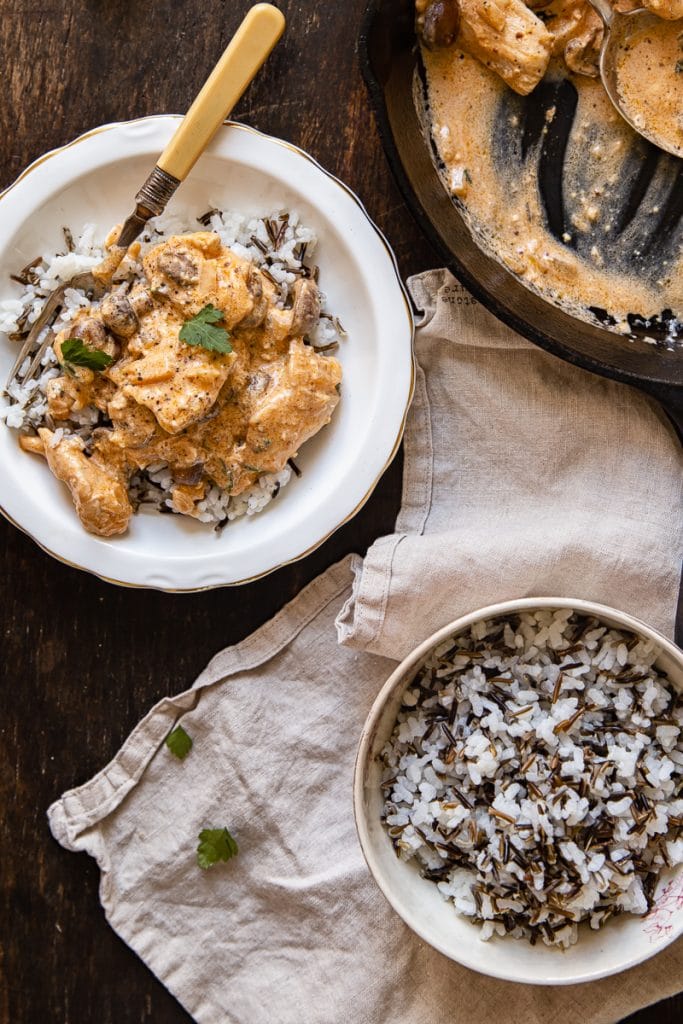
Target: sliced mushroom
258, 382
141, 301
582, 54
189, 475
179, 267
91, 332
577, 32
258, 312
306, 307
118, 314
438, 22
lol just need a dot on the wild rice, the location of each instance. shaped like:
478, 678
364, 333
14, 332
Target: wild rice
571, 800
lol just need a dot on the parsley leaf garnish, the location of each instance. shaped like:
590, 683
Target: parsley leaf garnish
215, 844
76, 353
179, 743
202, 330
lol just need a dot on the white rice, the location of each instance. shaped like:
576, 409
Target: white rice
535, 774
23, 406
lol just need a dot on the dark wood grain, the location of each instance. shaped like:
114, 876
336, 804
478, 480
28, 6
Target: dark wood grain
83, 660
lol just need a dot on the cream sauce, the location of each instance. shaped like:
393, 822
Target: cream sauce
593, 258
649, 75
214, 417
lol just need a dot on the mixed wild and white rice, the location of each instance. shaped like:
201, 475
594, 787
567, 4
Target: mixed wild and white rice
535, 774
279, 244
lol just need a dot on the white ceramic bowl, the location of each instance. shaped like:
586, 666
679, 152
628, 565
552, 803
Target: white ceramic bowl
623, 942
94, 179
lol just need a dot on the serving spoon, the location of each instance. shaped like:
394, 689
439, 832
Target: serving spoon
243, 57
620, 32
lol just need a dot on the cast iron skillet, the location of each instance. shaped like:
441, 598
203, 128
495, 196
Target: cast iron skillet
389, 59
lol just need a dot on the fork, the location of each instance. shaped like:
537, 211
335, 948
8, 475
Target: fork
244, 55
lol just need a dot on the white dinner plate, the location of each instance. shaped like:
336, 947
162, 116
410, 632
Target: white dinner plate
94, 179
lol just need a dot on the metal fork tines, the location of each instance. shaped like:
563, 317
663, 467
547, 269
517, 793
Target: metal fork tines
51, 310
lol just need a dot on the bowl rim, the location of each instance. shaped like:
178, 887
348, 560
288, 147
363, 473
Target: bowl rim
407, 307
373, 720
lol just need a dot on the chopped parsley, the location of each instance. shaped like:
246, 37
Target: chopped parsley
202, 330
76, 353
215, 844
179, 743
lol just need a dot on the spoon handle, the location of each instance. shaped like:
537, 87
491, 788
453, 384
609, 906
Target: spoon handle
604, 9
246, 52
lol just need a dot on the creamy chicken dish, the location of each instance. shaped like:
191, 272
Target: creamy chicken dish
198, 366
550, 179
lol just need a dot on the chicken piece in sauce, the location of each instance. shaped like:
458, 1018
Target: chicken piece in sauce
670, 10
69, 395
178, 383
577, 31
215, 417
99, 495
437, 22
299, 399
503, 34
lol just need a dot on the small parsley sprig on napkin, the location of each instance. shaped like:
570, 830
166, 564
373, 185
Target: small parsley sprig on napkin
215, 844
179, 743
74, 352
202, 330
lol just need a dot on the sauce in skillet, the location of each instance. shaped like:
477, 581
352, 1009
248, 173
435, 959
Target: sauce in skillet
650, 80
591, 250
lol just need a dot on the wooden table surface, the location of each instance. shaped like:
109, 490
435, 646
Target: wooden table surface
83, 660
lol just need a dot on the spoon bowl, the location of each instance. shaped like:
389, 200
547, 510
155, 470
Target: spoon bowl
624, 35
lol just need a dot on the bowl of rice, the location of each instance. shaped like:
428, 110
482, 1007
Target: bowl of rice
273, 205
518, 791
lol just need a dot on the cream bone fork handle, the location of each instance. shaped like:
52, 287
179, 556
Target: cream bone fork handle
245, 54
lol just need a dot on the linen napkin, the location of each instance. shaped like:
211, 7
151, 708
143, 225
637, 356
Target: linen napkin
507, 491
524, 476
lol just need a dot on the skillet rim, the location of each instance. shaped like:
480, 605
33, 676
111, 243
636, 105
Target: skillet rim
666, 387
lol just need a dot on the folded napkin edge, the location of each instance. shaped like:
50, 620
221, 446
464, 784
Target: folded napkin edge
79, 809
